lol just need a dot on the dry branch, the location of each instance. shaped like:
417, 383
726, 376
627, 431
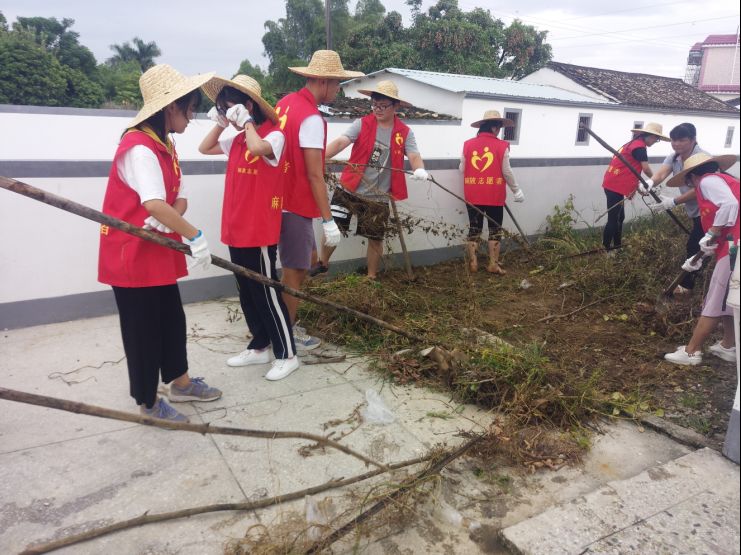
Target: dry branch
92, 410
580, 308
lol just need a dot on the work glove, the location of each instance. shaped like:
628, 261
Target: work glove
199, 253
215, 116
332, 235
705, 245
666, 203
420, 174
239, 115
690, 266
519, 196
645, 189
153, 223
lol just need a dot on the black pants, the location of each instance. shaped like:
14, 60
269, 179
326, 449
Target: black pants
476, 221
153, 332
263, 307
612, 236
693, 247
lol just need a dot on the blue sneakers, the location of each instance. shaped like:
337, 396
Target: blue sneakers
163, 411
304, 341
196, 390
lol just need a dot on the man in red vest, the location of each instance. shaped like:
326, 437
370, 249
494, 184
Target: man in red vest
305, 192
380, 141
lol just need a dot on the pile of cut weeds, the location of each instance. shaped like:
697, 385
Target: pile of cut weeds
558, 343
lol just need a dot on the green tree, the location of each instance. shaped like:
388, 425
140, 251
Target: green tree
524, 50
120, 84
29, 75
143, 53
3, 23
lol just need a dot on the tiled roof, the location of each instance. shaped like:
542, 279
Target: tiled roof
488, 85
721, 39
641, 89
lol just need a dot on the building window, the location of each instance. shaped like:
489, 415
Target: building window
637, 125
512, 134
582, 137
729, 136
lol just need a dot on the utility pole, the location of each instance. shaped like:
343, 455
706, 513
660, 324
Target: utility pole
328, 23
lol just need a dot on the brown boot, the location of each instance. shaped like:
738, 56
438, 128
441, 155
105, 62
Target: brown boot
471, 248
494, 266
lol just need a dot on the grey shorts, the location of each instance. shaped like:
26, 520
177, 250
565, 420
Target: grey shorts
296, 241
713, 305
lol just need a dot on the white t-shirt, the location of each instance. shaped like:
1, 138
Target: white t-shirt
311, 132
276, 139
717, 191
140, 169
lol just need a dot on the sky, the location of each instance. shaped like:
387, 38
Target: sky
643, 36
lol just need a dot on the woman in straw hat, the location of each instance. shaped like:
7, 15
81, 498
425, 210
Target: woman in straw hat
619, 182
486, 168
380, 141
305, 194
144, 189
718, 199
251, 214
684, 144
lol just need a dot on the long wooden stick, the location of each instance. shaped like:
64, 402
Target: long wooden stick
147, 518
96, 216
669, 291
93, 410
407, 260
433, 469
634, 172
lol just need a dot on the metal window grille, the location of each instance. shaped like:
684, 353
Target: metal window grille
729, 136
512, 134
582, 137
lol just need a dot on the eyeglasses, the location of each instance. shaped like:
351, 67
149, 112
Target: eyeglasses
380, 107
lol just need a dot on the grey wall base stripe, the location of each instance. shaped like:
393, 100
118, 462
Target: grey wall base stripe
36, 312
100, 168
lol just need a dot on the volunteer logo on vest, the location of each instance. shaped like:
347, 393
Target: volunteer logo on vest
476, 159
398, 139
284, 118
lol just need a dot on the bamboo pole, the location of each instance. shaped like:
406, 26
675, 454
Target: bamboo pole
96, 216
92, 410
146, 518
407, 260
634, 172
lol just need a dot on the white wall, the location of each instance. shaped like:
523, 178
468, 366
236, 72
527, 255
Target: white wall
547, 76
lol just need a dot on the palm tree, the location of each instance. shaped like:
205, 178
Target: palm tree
142, 53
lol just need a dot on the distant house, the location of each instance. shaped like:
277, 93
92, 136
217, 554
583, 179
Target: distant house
713, 66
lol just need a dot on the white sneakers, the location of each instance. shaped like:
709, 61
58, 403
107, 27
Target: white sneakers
282, 368
726, 353
680, 356
250, 356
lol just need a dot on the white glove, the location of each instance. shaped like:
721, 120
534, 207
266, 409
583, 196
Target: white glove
239, 115
667, 203
200, 255
215, 116
642, 188
704, 246
153, 223
519, 196
690, 266
332, 235
420, 174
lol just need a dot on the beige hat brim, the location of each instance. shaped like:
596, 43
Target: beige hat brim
504, 122
368, 92
214, 86
180, 90
311, 73
659, 135
724, 161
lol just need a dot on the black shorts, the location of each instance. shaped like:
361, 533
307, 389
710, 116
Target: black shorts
372, 215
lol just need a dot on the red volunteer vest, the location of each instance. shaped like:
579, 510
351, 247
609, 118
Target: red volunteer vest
253, 197
483, 181
362, 149
707, 215
292, 110
125, 260
618, 178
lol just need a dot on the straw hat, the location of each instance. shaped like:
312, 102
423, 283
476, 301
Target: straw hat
161, 85
653, 129
725, 161
248, 86
326, 64
386, 88
494, 115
